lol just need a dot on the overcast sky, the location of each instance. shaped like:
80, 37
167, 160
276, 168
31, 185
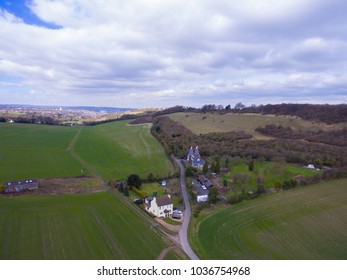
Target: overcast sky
161, 53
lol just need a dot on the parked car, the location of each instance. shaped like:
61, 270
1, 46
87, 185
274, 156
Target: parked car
138, 201
176, 216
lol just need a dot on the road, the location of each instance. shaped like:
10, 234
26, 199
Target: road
183, 233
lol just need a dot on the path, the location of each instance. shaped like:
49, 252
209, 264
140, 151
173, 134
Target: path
183, 233
153, 224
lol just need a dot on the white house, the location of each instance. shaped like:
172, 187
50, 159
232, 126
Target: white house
160, 207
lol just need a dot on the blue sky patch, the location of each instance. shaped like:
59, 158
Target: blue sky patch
21, 10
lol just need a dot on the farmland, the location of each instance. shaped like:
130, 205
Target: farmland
36, 151
200, 123
305, 223
76, 226
113, 150
116, 150
90, 226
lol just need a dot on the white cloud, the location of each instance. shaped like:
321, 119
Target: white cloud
194, 51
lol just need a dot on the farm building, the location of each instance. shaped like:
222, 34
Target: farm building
20, 186
200, 190
204, 181
160, 207
194, 158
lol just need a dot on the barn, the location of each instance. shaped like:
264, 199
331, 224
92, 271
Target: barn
20, 186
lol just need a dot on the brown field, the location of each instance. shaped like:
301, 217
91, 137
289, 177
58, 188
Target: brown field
200, 123
67, 185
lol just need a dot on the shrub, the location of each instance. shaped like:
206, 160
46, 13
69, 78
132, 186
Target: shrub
139, 193
235, 199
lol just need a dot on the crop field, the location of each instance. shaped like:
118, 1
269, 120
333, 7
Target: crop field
304, 223
89, 226
36, 151
200, 123
116, 150
113, 150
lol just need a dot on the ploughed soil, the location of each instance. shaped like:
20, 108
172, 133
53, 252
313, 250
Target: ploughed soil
65, 185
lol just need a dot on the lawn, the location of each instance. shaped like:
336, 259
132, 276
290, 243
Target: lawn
200, 123
116, 150
90, 226
303, 223
272, 172
36, 151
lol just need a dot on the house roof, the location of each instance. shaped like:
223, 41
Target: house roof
165, 200
23, 182
196, 183
201, 190
197, 161
196, 152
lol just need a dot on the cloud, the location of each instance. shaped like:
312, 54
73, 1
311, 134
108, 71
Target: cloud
162, 53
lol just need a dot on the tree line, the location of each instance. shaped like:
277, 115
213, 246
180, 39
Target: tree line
176, 139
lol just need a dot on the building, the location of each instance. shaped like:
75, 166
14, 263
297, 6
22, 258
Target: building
159, 207
20, 186
204, 181
194, 158
200, 191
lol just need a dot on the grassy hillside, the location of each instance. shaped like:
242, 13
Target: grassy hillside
93, 226
305, 223
200, 123
36, 151
115, 150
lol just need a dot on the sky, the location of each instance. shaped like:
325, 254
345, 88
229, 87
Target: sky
162, 53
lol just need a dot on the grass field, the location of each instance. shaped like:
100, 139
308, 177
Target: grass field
90, 226
113, 150
36, 151
200, 123
116, 150
272, 172
304, 223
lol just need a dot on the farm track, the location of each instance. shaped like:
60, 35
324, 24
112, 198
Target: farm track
148, 148
153, 225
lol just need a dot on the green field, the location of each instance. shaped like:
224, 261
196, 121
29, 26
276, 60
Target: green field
116, 150
304, 223
36, 151
200, 123
113, 151
90, 226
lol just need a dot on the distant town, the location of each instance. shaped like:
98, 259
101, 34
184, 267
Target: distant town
62, 115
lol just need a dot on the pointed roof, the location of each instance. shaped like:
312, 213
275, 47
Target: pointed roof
196, 153
190, 153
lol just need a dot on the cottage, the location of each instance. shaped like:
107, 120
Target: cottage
160, 207
19, 186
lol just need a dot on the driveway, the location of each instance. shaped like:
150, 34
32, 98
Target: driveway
183, 233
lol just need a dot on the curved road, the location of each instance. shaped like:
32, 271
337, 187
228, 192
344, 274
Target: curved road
183, 233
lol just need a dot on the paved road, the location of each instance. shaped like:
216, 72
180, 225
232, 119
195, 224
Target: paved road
183, 233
